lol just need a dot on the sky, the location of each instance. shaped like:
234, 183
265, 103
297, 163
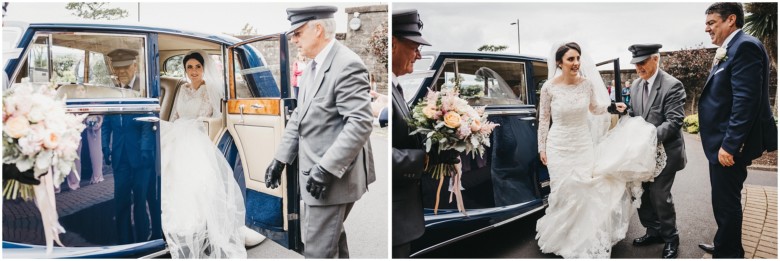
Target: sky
206, 17
605, 30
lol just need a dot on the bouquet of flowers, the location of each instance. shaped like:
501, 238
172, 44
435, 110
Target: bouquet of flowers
39, 135
450, 123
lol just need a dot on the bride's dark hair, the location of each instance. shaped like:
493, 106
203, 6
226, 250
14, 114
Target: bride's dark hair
193, 55
565, 48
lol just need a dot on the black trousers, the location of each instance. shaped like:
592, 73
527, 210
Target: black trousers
131, 186
657, 212
727, 183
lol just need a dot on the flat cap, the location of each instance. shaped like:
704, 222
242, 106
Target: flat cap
122, 57
407, 24
299, 16
641, 52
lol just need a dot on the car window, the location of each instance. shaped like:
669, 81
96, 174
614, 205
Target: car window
174, 67
411, 83
79, 65
485, 82
242, 88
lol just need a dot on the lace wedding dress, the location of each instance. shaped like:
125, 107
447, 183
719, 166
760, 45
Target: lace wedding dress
592, 182
202, 205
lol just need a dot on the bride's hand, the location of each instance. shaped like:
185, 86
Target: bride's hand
543, 156
621, 107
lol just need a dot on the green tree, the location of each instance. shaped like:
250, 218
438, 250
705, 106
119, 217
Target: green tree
692, 67
248, 30
761, 22
95, 10
491, 48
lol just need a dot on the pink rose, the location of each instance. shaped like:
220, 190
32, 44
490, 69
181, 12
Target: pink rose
429, 112
51, 140
476, 125
16, 127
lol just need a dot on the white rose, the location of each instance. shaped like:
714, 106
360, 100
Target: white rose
23, 105
36, 114
24, 163
720, 54
16, 127
43, 161
28, 146
10, 105
55, 122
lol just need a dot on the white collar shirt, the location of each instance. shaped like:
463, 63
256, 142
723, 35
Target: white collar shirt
320, 58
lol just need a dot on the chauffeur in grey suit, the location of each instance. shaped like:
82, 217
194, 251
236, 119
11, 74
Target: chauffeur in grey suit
659, 98
328, 133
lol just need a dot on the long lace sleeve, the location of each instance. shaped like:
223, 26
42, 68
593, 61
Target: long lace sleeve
174, 111
206, 108
544, 117
596, 107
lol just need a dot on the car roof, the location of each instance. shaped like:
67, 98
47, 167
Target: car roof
220, 38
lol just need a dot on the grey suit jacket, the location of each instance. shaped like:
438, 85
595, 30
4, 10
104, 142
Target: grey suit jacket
666, 111
331, 127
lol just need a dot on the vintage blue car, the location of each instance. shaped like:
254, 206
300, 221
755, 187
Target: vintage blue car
96, 212
509, 182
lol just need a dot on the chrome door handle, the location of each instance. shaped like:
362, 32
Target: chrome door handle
257, 106
241, 111
147, 119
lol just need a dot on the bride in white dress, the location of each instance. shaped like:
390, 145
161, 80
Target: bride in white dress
594, 172
202, 206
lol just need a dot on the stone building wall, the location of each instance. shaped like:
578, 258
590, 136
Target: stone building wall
372, 18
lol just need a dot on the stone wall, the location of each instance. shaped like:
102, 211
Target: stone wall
373, 17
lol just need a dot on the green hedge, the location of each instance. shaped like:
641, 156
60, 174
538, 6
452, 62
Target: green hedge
691, 124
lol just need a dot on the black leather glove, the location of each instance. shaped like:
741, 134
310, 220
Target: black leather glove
107, 159
444, 157
273, 174
319, 180
613, 109
10, 171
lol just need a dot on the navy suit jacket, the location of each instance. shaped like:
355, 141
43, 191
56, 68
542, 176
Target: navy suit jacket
131, 139
734, 111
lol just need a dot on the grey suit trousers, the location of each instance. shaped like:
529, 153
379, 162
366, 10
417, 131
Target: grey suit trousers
657, 210
324, 233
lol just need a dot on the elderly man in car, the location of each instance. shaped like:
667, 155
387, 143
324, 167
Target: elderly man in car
124, 64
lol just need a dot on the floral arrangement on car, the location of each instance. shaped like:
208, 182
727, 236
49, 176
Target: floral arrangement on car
471, 91
448, 122
40, 144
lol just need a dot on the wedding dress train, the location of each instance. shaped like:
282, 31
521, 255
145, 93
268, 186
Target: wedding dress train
202, 205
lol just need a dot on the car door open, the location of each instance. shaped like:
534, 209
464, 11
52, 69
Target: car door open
257, 111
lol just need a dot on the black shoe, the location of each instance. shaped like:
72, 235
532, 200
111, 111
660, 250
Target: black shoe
707, 248
647, 240
671, 249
